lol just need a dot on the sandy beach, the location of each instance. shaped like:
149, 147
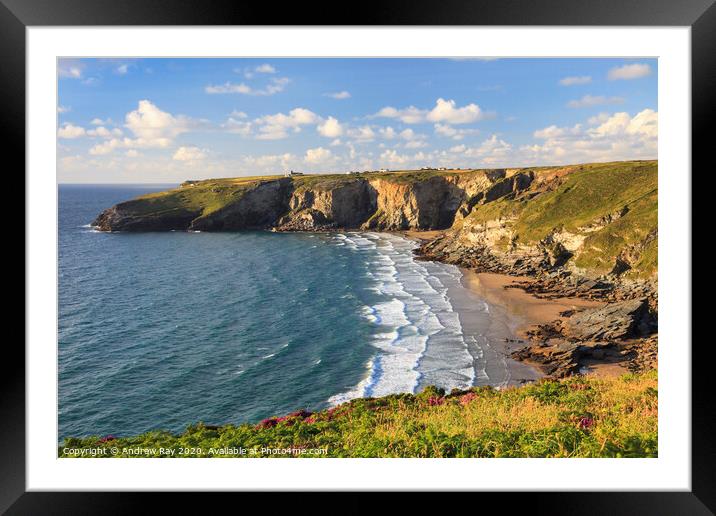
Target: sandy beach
526, 310
529, 309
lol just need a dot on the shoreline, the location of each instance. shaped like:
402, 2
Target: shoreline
532, 311
498, 289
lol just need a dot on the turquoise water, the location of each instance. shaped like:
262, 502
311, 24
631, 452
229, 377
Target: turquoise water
161, 330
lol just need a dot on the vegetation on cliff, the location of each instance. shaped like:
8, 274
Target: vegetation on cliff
575, 417
612, 205
597, 219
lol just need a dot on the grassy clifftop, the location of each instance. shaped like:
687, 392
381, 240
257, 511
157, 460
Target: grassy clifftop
611, 208
197, 196
577, 417
213, 194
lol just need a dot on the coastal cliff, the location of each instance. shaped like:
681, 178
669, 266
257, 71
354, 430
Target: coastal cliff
587, 231
590, 220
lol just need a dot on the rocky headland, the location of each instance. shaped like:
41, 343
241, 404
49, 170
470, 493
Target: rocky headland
583, 231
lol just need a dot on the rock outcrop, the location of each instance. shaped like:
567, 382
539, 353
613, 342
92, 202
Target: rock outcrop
616, 332
258, 207
347, 205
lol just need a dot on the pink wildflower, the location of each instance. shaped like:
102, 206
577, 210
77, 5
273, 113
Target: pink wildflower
268, 423
467, 398
585, 423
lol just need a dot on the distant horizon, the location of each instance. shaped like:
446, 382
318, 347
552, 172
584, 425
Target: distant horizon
330, 173
137, 121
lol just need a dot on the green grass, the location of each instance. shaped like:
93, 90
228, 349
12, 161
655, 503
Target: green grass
576, 417
585, 196
203, 197
632, 229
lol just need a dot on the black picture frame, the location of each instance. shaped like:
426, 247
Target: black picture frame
17, 15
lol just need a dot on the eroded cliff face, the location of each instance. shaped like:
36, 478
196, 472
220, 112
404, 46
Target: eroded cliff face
586, 220
346, 205
306, 204
576, 229
257, 207
133, 216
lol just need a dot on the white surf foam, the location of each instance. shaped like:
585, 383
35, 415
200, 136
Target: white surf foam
419, 337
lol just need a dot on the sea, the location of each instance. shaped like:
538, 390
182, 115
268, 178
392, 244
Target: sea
166, 329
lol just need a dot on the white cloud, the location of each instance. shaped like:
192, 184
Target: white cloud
122, 69
339, 95
189, 154
269, 163
458, 148
628, 72
265, 68
275, 127
445, 111
409, 134
330, 128
445, 130
409, 115
644, 123
108, 146
575, 80
228, 87
237, 126
69, 70
451, 132
388, 132
103, 132
276, 85
318, 156
63, 109
491, 151
591, 100
556, 132
607, 138
131, 153
362, 134
598, 119
391, 158
99, 121
70, 131
154, 127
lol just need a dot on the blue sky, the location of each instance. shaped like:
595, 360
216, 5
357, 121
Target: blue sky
167, 120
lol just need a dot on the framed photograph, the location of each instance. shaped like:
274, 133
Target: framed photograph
421, 249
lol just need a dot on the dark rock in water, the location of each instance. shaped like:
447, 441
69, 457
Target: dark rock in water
122, 217
612, 322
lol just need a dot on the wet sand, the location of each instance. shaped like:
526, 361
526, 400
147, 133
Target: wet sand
492, 327
526, 308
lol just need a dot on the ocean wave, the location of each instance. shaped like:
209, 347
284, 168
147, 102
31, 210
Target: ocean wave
418, 335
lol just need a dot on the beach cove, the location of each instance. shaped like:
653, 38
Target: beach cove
235, 327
